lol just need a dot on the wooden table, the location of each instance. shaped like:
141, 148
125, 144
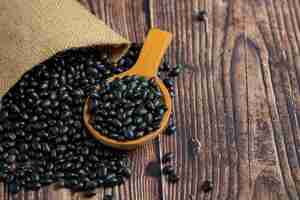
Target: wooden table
242, 101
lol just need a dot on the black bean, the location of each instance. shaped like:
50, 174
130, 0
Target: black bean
91, 185
126, 172
149, 117
11, 158
61, 148
93, 175
129, 112
168, 157
100, 181
114, 135
52, 122
143, 126
89, 194
169, 82
3, 115
64, 130
161, 111
46, 148
108, 197
54, 130
20, 133
9, 144
207, 186
104, 57
129, 134
130, 128
35, 178
171, 130
43, 134
55, 104
50, 166
85, 151
138, 120
140, 134
113, 113
167, 170
23, 157
13, 187
53, 95
150, 105
173, 178
60, 175
12, 136
46, 103
36, 126
128, 121
117, 123
141, 110
34, 119
67, 166
78, 92
66, 114
165, 66
176, 71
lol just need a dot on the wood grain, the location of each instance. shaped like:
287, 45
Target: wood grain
241, 107
274, 39
203, 106
242, 102
129, 18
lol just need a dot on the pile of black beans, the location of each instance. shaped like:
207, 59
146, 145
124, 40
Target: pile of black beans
127, 108
42, 136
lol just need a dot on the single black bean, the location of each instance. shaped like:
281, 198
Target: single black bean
12, 136
13, 187
91, 185
173, 178
129, 134
138, 120
128, 121
140, 134
11, 158
168, 157
169, 169
207, 186
108, 197
126, 172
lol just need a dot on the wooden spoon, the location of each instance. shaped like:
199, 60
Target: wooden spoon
147, 65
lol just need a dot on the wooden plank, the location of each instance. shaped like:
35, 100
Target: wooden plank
241, 107
130, 19
199, 106
274, 46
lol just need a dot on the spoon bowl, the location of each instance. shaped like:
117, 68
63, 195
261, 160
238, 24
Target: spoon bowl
147, 65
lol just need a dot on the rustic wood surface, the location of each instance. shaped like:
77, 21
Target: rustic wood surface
242, 100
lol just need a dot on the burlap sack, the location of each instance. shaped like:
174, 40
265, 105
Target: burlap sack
33, 30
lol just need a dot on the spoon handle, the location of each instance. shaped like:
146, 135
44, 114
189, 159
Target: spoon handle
154, 48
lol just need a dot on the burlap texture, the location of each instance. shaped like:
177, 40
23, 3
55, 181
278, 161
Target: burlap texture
33, 30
